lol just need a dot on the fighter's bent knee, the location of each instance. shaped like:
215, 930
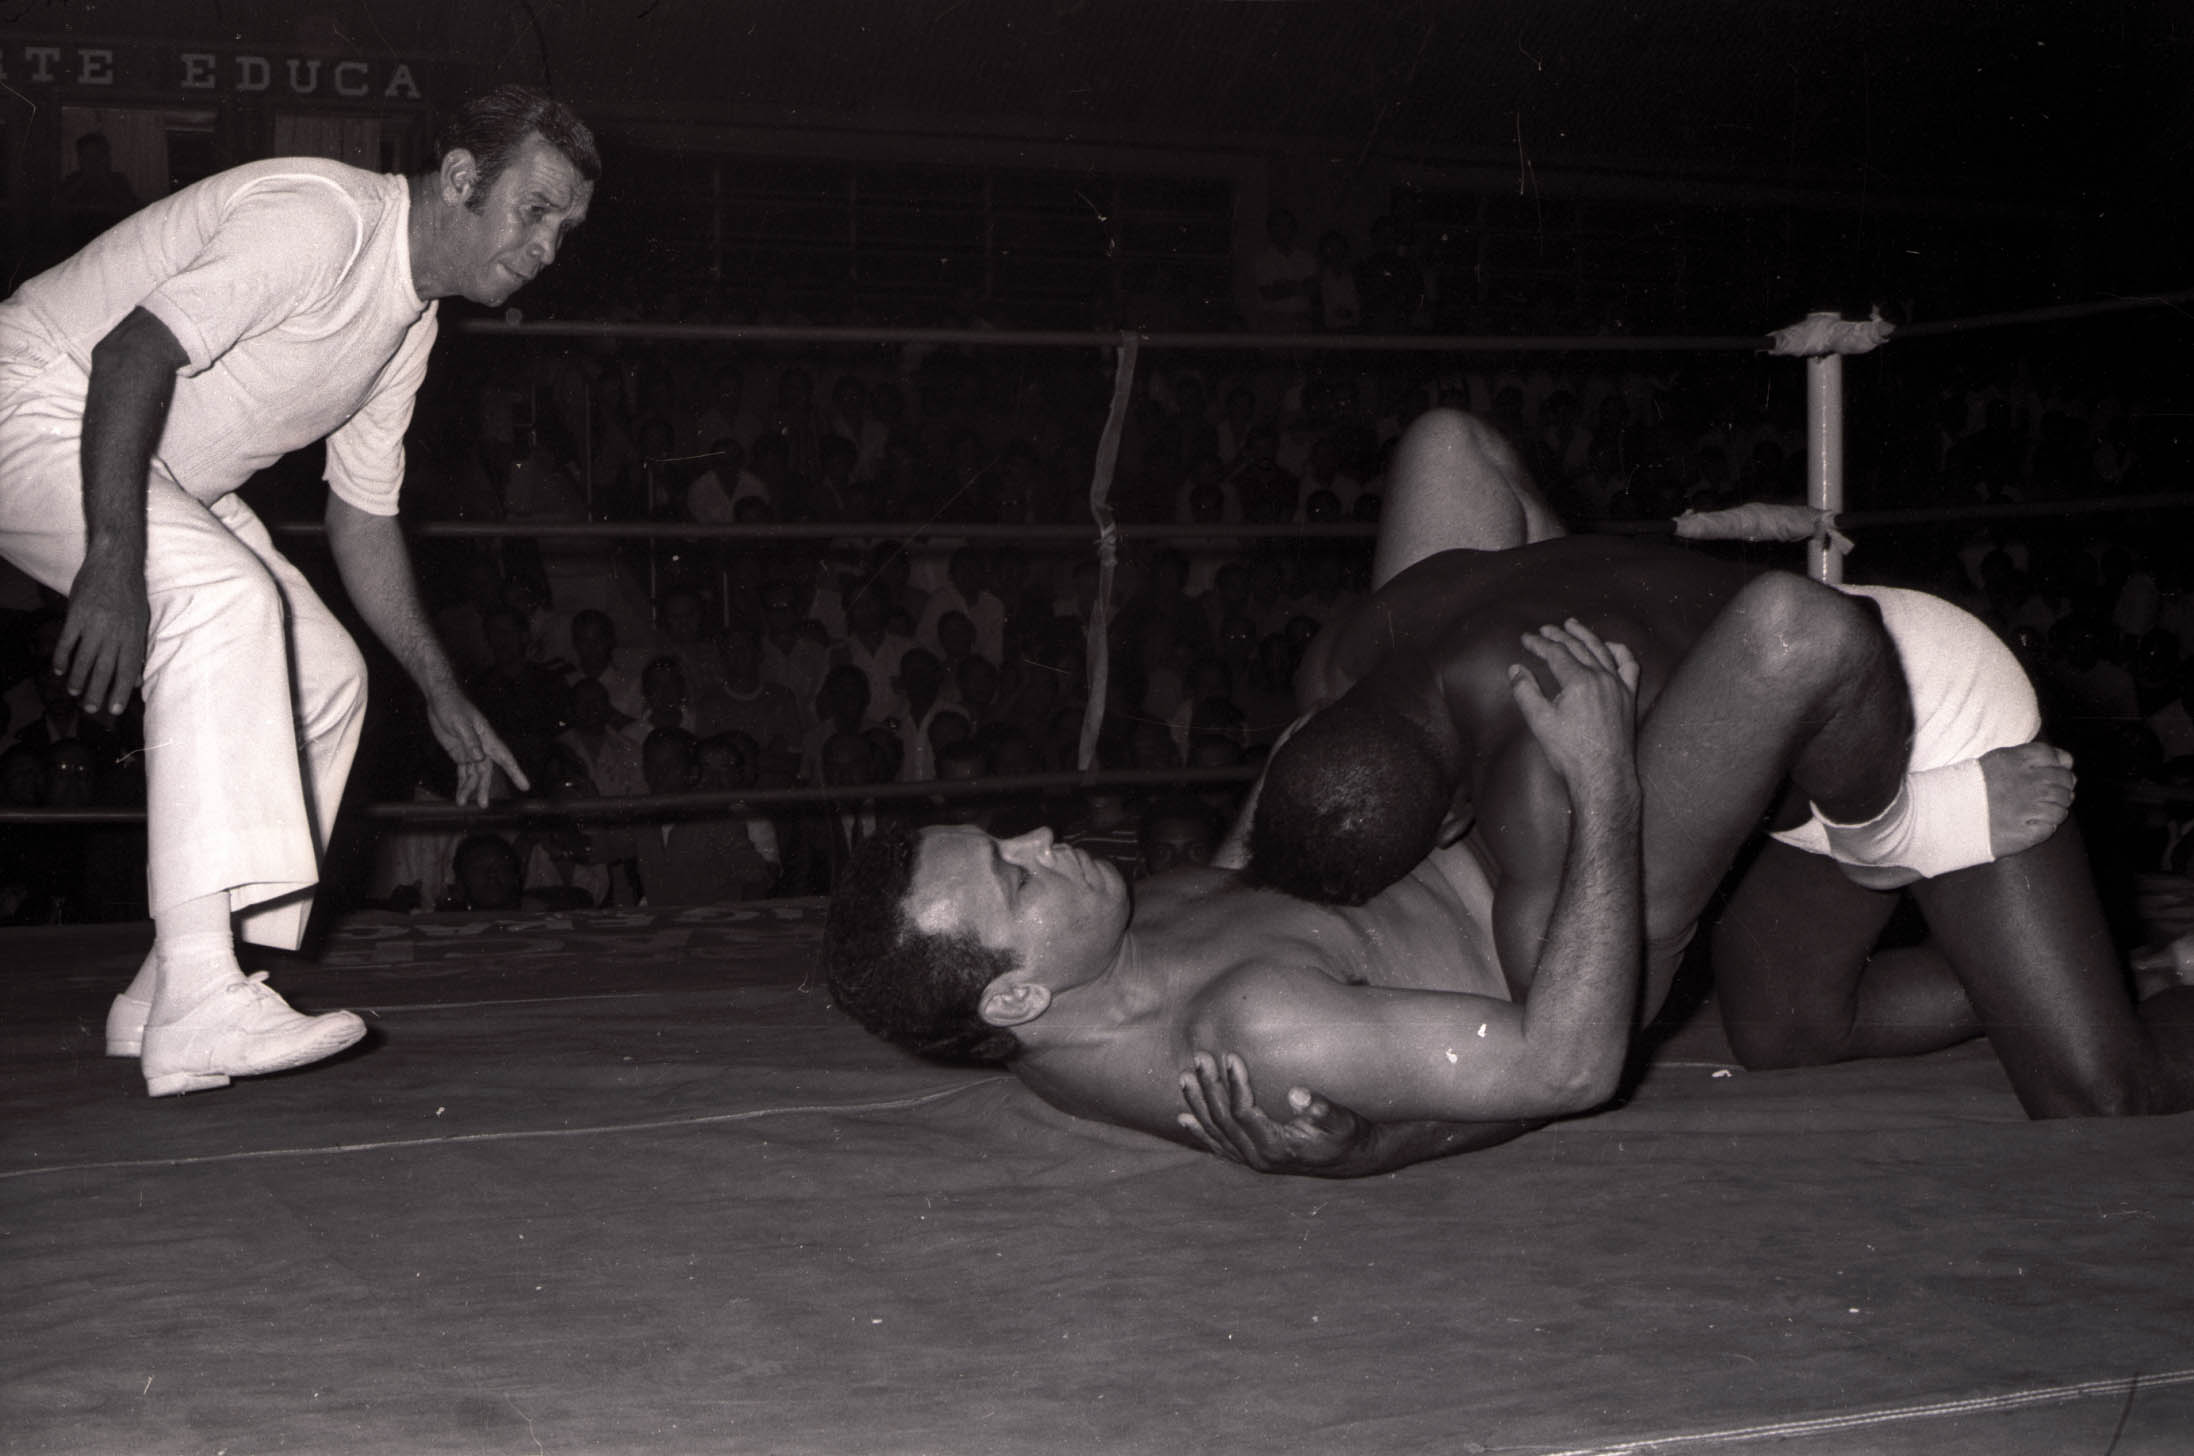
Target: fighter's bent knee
1797, 629
1449, 428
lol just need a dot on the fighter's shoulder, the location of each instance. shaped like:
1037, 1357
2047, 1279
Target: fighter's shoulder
1473, 663
1263, 1003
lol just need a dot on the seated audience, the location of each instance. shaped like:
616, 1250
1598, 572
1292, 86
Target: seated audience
484, 875
595, 656
700, 860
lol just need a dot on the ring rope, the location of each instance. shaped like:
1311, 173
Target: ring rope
1828, 339
2055, 313
1075, 339
856, 530
1298, 531
1232, 342
709, 801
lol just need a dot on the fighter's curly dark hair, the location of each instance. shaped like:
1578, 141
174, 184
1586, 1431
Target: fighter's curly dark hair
1350, 804
909, 986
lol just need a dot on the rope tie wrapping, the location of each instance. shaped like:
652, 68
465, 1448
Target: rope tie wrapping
1824, 333
1099, 639
1763, 521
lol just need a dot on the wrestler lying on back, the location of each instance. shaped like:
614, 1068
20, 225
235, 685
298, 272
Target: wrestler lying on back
1406, 1007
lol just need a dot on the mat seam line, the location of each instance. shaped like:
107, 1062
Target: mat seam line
514, 1135
1972, 1405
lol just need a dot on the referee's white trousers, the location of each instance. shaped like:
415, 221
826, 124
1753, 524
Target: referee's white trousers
254, 693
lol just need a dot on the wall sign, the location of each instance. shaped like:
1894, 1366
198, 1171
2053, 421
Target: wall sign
193, 74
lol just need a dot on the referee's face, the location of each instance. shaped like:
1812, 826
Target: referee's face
517, 228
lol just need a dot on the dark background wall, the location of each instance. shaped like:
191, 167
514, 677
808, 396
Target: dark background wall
1686, 163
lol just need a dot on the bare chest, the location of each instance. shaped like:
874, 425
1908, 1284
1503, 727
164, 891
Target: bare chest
1430, 932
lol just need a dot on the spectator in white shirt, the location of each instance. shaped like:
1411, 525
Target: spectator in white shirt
966, 591
1284, 277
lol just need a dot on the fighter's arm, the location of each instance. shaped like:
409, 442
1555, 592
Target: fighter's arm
102, 646
1529, 790
1408, 1055
1523, 827
376, 569
1393, 1054
1582, 978
1319, 1138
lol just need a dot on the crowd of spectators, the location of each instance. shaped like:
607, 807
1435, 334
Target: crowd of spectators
621, 667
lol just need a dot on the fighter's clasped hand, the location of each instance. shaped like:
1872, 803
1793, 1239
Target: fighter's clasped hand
102, 646
475, 747
1320, 1139
1588, 727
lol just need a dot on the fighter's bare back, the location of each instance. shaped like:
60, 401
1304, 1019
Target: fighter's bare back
1451, 608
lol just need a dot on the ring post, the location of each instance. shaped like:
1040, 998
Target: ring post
1822, 340
1824, 422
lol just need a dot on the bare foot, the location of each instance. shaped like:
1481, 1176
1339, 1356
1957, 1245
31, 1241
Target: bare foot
2029, 788
2163, 968
2029, 795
